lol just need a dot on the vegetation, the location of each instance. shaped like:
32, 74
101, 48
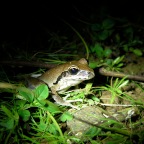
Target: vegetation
31, 116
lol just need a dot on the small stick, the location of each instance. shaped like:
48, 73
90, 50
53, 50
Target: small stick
26, 63
105, 72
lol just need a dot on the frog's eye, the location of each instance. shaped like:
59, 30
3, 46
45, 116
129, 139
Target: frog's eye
73, 70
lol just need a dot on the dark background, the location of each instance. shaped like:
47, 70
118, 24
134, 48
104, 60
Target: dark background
27, 25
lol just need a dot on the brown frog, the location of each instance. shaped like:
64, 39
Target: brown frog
62, 77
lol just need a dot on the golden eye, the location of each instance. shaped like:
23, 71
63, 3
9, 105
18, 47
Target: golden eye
73, 70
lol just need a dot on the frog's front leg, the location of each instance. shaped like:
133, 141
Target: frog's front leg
68, 95
60, 101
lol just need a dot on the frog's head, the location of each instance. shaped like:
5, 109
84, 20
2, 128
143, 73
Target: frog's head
70, 74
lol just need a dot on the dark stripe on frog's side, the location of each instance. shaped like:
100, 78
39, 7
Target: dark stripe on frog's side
63, 74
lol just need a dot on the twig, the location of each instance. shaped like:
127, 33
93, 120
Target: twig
26, 63
105, 72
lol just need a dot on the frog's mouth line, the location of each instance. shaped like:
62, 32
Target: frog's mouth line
81, 75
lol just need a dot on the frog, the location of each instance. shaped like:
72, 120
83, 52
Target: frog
60, 78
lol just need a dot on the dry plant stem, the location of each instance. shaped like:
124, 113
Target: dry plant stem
26, 63
105, 72
117, 105
7, 85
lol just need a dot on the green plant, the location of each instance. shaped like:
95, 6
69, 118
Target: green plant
100, 33
115, 88
114, 65
33, 110
133, 42
111, 36
101, 52
103, 30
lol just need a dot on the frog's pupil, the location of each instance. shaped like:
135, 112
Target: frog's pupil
73, 71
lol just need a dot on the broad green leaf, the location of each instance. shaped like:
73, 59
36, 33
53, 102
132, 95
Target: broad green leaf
107, 24
126, 48
96, 27
107, 52
93, 64
9, 124
51, 107
103, 35
98, 50
108, 61
26, 94
42, 92
20, 103
137, 52
25, 114
66, 116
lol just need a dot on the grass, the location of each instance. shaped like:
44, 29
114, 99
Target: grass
32, 116
28, 116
